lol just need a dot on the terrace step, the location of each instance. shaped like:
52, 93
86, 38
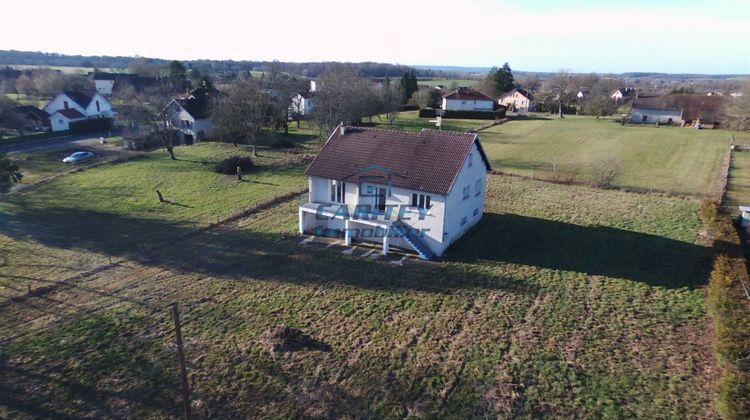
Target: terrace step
415, 241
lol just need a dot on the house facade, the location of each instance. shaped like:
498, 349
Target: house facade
191, 116
60, 120
622, 94
85, 106
466, 99
415, 191
303, 104
518, 100
642, 115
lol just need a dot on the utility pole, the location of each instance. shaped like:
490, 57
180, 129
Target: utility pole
181, 356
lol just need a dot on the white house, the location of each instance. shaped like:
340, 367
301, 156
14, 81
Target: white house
303, 103
88, 106
518, 100
416, 191
466, 99
60, 120
642, 115
621, 94
191, 116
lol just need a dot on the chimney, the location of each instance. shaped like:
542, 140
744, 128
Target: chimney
342, 129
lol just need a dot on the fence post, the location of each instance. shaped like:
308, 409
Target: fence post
181, 356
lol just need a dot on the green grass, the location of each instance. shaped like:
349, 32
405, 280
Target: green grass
565, 301
449, 82
410, 121
738, 187
677, 160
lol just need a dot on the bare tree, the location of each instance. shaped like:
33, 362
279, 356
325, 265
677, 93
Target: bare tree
738, 110
343, 98
390, 100
531, 82
243, 111
25, 85
560, 88
48, 82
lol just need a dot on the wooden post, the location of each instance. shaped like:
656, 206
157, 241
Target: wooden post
181, 356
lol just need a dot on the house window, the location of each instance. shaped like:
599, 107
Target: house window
471, 159
60, 122
467, 191
478, 187
463, 220
98, 109
338, 191
421, 201
476, 212
65, 104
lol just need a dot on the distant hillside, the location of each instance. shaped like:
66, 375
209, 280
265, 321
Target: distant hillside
310, 69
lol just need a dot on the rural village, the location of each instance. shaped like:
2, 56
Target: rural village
275, 239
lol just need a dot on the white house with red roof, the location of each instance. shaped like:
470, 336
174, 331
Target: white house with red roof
71, 106
416, 191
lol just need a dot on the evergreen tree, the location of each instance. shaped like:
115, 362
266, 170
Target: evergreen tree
408, 85
502, 79
177, 75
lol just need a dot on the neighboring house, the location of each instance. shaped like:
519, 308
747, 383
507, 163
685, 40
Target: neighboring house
582, 93
303, 103
651, 115
89, 106
466, 99
60, 120
518, 100
682, 109
419, 191
30, 117
191, 115
622, 94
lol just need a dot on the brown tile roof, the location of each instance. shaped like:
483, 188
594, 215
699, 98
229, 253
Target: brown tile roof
426, 161
81, 98
468, 95
523, 92
70, 113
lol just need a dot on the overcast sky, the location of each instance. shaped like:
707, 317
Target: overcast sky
679, 36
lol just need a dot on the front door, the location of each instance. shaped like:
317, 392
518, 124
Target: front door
380, 200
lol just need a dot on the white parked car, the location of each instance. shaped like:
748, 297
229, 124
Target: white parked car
79, 157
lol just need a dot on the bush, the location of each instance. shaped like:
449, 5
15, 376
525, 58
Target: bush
727, 304
229, 166
91, 125
603, 173
427, 113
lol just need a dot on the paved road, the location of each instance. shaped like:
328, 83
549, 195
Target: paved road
77, 140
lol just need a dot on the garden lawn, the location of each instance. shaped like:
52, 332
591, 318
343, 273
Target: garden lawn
738, 188
564, 301
672, 159
410, 121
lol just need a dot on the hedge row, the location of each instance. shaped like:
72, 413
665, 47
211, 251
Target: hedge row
464, 115
729, 307
91, 125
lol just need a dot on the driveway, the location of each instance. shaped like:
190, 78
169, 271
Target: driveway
75, 140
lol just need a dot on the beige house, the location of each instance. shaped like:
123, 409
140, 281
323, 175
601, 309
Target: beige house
518, 100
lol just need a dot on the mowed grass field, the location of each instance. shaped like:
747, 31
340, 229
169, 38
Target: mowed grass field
671, 159
565, 301
738, 187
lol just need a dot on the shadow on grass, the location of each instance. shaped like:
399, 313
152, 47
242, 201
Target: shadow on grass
89, 355
235, 253
594, 250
